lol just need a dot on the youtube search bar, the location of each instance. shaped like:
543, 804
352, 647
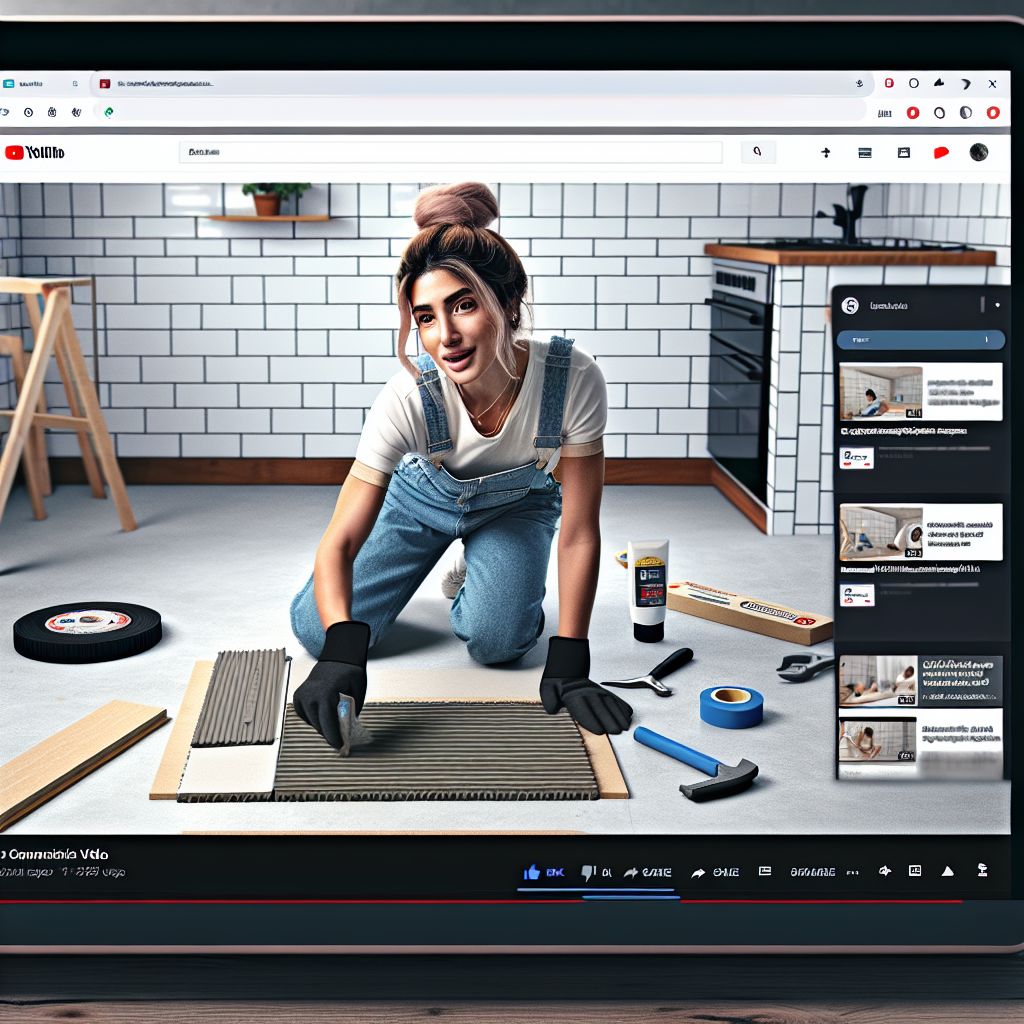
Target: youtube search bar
481, 150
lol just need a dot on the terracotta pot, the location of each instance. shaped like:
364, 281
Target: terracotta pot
267, 204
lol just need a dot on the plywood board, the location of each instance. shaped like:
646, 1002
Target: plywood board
172, 764
213, 774
244, 772
49, 767
610, 782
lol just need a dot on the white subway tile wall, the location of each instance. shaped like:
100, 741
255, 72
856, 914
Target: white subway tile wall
239, 339
800, 420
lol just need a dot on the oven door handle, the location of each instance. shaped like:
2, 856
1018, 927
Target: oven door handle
749, 366
751, 375
754, 319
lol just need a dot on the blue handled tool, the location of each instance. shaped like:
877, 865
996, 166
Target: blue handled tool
725, 779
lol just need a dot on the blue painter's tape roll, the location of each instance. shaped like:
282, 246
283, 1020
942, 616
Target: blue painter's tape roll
731, 707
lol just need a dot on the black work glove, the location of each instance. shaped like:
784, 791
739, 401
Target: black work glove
566, 684
340, 670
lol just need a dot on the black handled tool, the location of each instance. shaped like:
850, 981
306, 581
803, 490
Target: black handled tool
798, 668
653, 680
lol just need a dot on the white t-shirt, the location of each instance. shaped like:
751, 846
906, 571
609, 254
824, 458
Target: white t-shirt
395, 424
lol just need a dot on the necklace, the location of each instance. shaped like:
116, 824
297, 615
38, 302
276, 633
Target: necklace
496, 429
475, 417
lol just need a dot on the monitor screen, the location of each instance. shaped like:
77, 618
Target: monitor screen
579, 490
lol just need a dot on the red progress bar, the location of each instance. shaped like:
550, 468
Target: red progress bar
514, 903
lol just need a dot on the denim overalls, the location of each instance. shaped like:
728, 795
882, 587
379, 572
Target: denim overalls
507, 521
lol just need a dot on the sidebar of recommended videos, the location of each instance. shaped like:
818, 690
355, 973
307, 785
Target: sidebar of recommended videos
922, 504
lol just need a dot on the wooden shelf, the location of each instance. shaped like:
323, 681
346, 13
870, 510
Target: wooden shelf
755, 253
304, 217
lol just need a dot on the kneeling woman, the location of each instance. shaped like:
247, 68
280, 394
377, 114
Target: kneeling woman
460, 445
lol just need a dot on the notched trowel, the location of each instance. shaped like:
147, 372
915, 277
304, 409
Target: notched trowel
353, 733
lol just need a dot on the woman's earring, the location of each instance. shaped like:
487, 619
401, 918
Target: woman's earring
514, 319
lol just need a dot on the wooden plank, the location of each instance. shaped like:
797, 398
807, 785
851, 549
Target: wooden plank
36, 285
43, 771
172, 764
300, 218
750, 613
852, 257
57, 421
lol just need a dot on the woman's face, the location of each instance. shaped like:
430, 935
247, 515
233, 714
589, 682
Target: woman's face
454, 329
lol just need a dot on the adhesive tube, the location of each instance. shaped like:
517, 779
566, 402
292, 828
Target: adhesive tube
647, 565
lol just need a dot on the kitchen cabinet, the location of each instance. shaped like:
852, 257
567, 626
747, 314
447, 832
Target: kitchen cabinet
794, 443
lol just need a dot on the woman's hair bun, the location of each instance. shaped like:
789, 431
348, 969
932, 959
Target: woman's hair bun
470, 202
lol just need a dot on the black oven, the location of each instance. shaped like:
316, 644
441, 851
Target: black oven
741, 334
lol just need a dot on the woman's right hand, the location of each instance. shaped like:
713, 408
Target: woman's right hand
341, 669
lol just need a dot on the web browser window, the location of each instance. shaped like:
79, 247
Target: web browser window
790, 293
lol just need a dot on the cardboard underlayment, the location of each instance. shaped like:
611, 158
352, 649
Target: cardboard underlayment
43, 771
241, 699
248, 773
451, 750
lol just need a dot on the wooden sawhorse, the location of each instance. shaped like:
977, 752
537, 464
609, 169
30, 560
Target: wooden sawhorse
55, 336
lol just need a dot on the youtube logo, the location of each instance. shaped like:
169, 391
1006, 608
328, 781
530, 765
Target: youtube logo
14, 152
913, 113
941, 151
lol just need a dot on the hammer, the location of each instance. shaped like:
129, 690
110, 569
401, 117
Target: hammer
725, 779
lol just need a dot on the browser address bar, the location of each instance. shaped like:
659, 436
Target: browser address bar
609, 150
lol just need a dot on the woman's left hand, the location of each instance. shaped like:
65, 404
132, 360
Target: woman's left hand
566, 684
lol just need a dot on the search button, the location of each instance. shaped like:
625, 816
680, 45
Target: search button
758, 153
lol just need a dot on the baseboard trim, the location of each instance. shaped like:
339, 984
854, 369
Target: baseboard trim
68, 470
739, 496
677, 472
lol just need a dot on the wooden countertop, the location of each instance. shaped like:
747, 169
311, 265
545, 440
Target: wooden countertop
851, 257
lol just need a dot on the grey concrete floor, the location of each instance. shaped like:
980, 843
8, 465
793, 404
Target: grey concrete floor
222, 563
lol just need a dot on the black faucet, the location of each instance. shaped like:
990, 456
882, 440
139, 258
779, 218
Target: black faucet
846, 217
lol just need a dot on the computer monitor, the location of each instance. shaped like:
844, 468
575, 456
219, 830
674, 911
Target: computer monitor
610, 549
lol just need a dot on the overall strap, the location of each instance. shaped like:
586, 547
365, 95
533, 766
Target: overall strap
439, 440
552, 400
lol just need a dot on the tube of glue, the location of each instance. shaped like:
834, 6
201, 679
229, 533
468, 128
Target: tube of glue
647, 565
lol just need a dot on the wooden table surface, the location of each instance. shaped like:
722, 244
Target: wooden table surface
480, 990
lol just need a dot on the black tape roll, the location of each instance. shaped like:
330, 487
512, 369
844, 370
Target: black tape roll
87, 631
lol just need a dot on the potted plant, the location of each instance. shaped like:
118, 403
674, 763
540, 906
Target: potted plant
267, 196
